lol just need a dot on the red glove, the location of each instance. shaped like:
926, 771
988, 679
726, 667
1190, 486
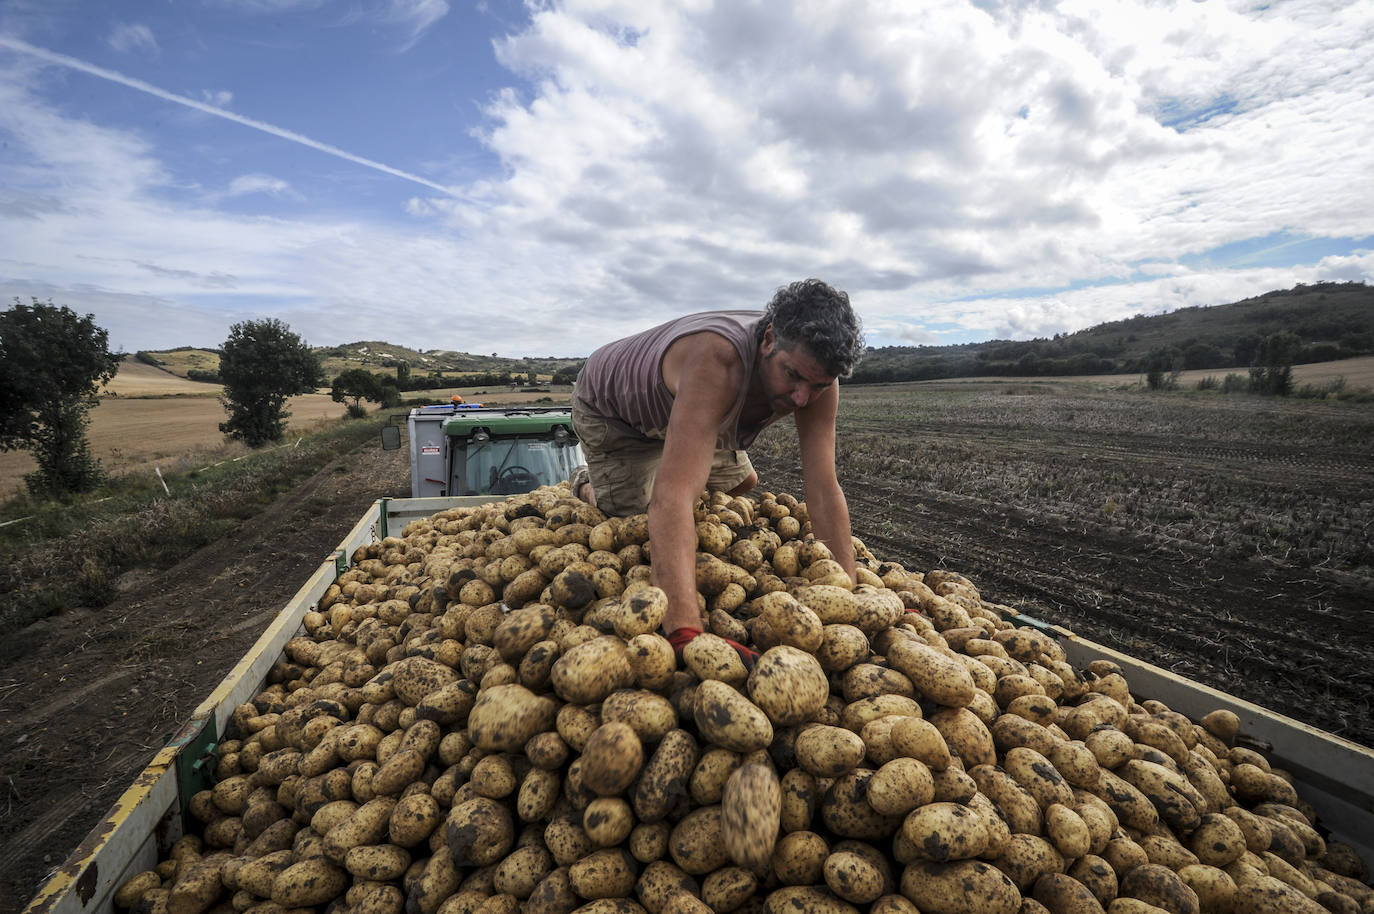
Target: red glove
679, 638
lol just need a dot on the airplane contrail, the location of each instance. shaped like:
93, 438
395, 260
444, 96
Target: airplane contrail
24, 47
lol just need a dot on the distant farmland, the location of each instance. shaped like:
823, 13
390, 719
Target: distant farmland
158, 419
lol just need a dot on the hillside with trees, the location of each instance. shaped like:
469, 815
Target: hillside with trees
1327, 321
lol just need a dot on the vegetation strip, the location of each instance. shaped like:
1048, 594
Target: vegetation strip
69, 555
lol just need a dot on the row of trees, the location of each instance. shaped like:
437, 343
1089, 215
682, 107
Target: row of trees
54, 362
1271, 365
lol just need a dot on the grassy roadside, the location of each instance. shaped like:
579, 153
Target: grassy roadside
69, 555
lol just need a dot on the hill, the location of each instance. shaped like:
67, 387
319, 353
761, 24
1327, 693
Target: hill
1331, 320
440, 367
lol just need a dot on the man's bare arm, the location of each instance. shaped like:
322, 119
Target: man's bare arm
825, 501
707, 378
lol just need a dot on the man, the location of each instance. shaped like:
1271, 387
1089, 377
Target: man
669, 412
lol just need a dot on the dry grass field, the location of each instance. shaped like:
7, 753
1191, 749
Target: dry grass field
151, 418
1358, 374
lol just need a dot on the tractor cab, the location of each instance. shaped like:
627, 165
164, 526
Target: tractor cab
469, 449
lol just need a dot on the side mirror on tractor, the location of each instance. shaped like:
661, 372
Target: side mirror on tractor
391, 437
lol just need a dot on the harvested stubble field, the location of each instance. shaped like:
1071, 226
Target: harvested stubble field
1230, 539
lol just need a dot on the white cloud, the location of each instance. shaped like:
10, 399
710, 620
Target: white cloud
416, 17
934, 159
220, 98
257, 184
128, 38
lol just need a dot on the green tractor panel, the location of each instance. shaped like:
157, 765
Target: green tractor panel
474, 450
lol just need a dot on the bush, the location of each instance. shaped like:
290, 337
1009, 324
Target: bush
1209, 383
1234, 383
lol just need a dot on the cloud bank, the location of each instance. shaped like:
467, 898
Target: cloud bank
965, 170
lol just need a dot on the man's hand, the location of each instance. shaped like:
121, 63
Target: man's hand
679, 639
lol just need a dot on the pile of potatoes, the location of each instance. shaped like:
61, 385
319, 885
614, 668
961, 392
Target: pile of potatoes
485, 718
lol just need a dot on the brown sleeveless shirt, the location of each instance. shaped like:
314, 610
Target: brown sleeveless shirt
623, 381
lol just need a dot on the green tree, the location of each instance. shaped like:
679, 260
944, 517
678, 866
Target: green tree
1272, 371
53, 362
261, 364
356, 384
1162, 368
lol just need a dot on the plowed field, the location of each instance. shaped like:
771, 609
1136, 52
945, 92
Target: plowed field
1225, 538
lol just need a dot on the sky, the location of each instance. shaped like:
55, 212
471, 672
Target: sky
537, 178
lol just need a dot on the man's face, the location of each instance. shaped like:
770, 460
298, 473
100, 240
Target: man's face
791, 378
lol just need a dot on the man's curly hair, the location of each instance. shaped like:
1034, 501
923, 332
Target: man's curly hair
814, 315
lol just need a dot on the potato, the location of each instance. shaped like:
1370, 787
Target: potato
900, 786
919, 739
960, 887
308, 883
697, 843
1214, 888
539, 794
1017, 806
132, 890
198, 886
1067, 831
607, 821
728, 719
612, 759
652, 660
589, 672
945, 831
789, 685
1130, 806
710, 656
566, 839
1161, 887
1217, 840
1038, 775
1177, 801
728, 888
609, 873
829, 751
1025, 858
751, 810
493, 777
660, 881
522, 870
1097, 874
1063, 894
940, 678
377, 862
505, 717
842, 646
965, 734
665, 776
368, 825
805, 899
415, 677
846, 812
479, 831
858, 714
790, 622
799, 858
413, 819
649, 714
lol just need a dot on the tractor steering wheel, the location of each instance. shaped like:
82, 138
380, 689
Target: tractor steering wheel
513, 480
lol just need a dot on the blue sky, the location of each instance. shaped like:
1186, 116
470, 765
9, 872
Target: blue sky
537, 178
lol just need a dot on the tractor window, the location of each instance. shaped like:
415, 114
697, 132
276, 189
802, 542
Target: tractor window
509, 466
